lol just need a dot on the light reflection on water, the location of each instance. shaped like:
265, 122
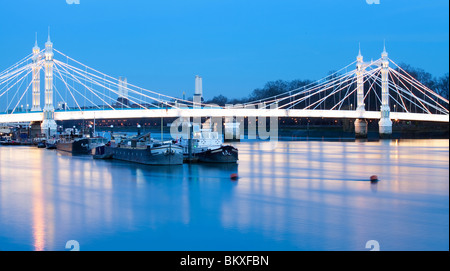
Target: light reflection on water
304, 195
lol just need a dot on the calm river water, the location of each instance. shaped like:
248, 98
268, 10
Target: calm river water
304, 195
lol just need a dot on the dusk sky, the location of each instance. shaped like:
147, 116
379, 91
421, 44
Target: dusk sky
236, 46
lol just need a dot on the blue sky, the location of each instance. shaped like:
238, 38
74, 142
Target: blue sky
236, 46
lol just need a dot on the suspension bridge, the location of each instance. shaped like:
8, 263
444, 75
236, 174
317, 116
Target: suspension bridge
378, 89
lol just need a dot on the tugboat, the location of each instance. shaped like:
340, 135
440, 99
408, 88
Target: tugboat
145, 150
222, 154
207, 146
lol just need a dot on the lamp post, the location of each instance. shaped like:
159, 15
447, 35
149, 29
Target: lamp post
112, 128
139, 129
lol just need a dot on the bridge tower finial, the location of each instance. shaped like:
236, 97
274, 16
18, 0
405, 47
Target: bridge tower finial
359, 57
384, 54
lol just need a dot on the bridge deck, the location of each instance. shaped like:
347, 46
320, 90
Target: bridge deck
207, 112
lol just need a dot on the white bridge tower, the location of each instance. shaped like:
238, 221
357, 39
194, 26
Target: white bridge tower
360, 123
48, 125
36, 89
385, 123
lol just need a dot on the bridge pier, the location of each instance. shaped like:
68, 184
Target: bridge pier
361, 128
49, 127
385, 128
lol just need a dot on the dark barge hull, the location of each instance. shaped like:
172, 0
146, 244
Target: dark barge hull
224, 154
101, 152
144, 156
80, 146
9, 143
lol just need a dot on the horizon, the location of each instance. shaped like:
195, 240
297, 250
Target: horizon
235, 47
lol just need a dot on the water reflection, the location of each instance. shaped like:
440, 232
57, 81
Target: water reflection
307, 195
320, 178
38, 204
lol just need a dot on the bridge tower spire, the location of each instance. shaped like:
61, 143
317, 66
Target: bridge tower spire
48, 126
385, 123
360, 123
36, 90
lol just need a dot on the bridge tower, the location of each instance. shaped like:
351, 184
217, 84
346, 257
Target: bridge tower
385, 123
36, 89
360, 123
49, 126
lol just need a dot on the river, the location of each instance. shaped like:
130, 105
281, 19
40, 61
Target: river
302, 195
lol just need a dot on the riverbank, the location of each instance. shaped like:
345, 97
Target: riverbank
313, 132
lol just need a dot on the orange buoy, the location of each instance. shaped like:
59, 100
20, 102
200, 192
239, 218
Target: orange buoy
374, 178
234, 176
